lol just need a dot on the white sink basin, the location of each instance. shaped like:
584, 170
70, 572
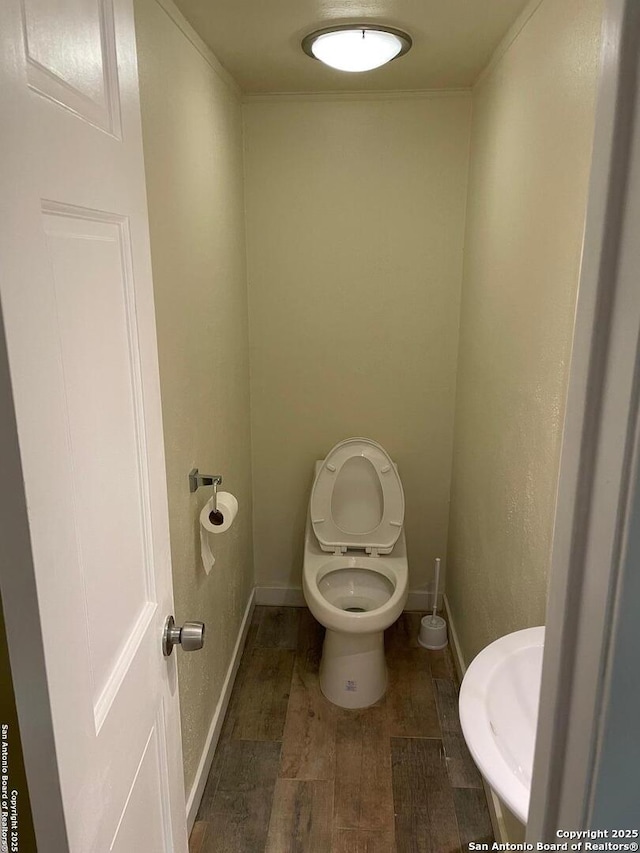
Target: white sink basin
499, 714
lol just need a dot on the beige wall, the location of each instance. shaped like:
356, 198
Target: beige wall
532, 127
193, 155
355, 217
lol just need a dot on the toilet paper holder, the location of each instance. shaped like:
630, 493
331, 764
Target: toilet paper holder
196, 480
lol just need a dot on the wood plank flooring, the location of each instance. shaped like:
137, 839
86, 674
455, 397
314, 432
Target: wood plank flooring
295, 774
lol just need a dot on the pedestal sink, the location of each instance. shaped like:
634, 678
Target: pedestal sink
499, 714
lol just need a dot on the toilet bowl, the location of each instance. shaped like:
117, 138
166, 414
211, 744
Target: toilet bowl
355, 573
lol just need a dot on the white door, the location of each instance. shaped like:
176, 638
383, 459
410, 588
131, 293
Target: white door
77, 300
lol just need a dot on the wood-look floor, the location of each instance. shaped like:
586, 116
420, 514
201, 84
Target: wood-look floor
295, 774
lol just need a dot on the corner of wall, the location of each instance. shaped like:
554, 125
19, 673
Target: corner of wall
507, 40
203, 49
243, 108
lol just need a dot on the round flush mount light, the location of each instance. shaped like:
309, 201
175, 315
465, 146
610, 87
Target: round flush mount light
356, 47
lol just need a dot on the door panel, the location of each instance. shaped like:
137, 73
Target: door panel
144, 797
96, 324
70, 49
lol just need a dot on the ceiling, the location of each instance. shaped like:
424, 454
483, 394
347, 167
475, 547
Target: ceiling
258, 41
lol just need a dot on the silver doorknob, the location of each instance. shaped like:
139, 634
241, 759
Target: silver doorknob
190, 636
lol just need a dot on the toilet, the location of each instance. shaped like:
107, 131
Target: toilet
355, 573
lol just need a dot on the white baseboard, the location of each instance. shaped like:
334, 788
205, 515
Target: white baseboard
495, 813
506, 831
280, 596
202, 773
291, 596
458, 658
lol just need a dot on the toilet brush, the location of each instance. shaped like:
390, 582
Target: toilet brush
434, 615
433, 629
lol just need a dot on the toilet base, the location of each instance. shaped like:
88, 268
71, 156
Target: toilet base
353, 670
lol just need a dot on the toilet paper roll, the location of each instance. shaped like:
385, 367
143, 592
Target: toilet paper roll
227, 509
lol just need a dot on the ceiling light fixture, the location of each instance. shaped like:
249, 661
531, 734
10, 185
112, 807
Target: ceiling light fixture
356, 47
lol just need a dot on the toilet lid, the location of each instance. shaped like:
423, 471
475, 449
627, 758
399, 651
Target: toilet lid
357, 499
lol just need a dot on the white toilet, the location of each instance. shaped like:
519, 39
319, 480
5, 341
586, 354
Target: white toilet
355, 572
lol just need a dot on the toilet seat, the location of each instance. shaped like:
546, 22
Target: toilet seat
367, 492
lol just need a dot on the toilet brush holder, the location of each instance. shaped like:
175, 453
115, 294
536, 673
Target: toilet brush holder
433, 632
